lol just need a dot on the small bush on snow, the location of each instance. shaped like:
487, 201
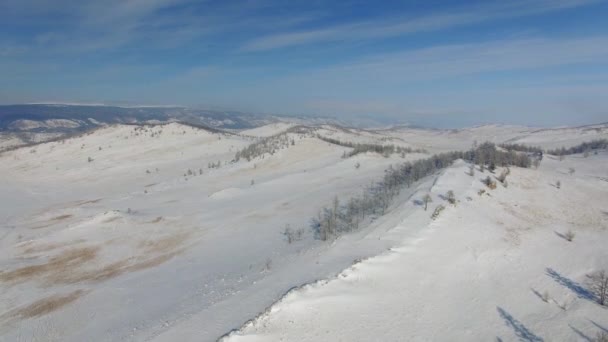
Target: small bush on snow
437, 211
598, 283
569, 235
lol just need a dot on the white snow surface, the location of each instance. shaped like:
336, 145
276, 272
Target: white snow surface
268, 130
116, 235
477, 273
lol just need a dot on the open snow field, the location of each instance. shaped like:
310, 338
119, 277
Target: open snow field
127, 233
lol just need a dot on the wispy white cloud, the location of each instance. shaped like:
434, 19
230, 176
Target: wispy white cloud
425, 83
383, 28
69, 26
447, 61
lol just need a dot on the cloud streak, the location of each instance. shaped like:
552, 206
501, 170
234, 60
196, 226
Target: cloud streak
381, 28
448, 61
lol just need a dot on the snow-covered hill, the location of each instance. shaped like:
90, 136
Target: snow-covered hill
495, 266
156, 232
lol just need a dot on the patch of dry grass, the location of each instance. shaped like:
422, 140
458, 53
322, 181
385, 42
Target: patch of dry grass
79, 203
78, 265
45, 247
164, 244
46, 305
156, 220
56, 266
61, 217
53, 221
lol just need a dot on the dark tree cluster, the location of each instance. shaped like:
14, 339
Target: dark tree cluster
347, 216
488, 155
582, 148
521, 148
265, 145
384, 150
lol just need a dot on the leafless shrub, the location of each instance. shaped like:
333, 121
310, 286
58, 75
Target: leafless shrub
267, 265
545, 297
489, 183
293, 235
437, 211
451, 197
598, 284
426, 199
601, 336
570, 235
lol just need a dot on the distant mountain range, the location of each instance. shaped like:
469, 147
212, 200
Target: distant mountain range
58, 117
24, 124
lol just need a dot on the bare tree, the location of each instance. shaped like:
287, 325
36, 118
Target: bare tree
426, 199
571, 171
492, 167
601, 336
503, 176
598, 283
451, 197
437, 211
570, 235
288, 234
558, 184
489, 183
339, 218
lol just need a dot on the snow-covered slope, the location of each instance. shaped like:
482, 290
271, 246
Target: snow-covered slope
123, 215
143, 233
495, 266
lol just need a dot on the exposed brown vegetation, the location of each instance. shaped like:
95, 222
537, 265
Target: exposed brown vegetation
156, 220
45, 247
78, 264
88, 202
46, 305
62, 217
53, 221
163, 245
55, 267
118, 268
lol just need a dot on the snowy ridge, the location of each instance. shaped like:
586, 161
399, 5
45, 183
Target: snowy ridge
485, 256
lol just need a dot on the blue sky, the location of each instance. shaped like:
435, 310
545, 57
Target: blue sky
434, 63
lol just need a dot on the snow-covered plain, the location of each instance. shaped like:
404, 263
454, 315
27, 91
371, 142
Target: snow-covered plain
125, 233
